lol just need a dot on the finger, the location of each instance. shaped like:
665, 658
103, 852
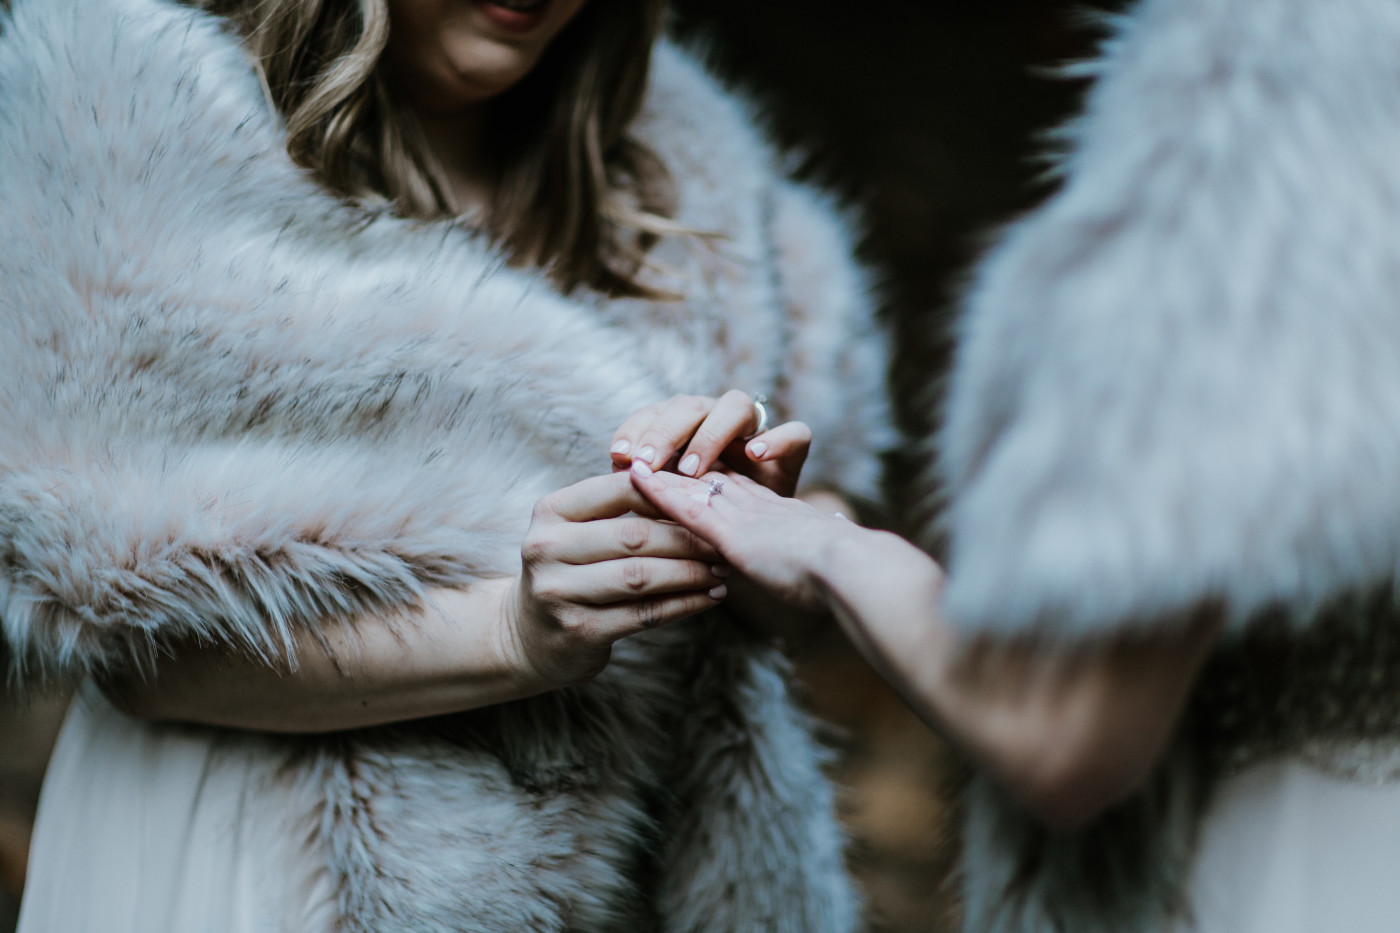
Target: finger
623, 440
628, 536
686, 501
632, 578
672, 427
732, 418
595, 498
740, 488
625, 619
791, 441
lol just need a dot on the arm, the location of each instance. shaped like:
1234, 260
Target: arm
592, 574
1069, 730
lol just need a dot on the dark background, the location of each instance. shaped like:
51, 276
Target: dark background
926, 113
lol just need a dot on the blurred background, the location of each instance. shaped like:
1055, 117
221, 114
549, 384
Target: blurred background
927, 114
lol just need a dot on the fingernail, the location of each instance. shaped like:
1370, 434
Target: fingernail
840, 516
621, 447
640, 468
758, 449
690, 464
719, 592
647, 453
721, 570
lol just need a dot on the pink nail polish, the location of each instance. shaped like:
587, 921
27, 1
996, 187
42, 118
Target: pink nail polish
640, 467
690, 464
647, 453
621, 447
721, 570
719, 592
758, 449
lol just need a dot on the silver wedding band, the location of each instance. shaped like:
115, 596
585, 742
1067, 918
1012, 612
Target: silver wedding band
760, 410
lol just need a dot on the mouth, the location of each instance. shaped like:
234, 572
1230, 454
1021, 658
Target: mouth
514, 15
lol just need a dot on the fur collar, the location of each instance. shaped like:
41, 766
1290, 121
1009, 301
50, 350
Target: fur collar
232, 406
197, 337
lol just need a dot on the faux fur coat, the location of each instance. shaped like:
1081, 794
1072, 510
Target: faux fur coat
233, 407
1179, 381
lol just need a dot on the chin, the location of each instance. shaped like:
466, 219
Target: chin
481, 68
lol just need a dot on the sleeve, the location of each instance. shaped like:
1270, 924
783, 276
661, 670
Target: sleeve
1179, 380
838, 352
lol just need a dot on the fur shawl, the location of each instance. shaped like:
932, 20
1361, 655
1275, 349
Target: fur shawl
1179, 380
232, 407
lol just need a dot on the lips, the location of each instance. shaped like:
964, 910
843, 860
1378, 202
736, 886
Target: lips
514, 15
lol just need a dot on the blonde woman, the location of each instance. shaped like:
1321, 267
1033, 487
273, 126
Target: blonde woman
320, 319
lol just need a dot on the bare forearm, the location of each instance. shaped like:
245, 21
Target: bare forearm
1068, 729
453, 654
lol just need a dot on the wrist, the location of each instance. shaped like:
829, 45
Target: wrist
845, 559
512, 646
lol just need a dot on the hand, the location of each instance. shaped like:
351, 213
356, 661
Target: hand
592, 573
698, 432
780, 543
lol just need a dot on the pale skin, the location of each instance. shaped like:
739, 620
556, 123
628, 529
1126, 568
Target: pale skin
1068, 730
597, 563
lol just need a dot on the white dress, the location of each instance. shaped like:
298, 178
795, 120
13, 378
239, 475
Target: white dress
152, 828
1288, 848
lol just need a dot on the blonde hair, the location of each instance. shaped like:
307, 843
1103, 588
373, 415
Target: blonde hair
575, 194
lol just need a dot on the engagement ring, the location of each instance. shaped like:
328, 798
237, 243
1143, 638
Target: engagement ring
716, 487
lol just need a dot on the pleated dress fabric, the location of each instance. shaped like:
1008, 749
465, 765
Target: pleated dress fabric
147, 828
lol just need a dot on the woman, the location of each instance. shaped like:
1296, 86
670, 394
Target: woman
308, 306
1172, 472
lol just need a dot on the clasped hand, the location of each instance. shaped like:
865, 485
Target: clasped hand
600, 562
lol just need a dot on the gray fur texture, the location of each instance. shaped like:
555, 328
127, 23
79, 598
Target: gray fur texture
1177, 381
1174, 380
233, 407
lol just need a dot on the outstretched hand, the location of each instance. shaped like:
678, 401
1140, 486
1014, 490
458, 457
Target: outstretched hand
695, 433
779, 543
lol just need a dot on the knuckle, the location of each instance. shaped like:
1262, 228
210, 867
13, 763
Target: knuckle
707, 437
737, 397
535, 549
635, 533
548, 594
635, 575
574, 627
648, 616
545, 509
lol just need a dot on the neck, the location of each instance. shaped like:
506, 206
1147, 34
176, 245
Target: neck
457, 142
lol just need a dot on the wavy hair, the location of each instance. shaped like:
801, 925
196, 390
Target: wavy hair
574, 193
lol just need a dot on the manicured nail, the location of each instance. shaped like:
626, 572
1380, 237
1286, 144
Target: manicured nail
757, 449
719, 592
640, 468
690, 464
721, 570
840, 516
621, 447
647, 453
